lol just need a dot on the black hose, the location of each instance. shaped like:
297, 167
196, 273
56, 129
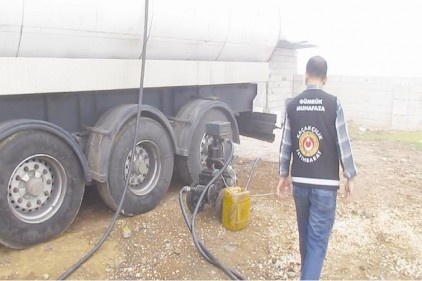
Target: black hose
72, 269
234, 275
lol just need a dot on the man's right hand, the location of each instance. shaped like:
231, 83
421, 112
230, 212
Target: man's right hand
349, 188
282, 187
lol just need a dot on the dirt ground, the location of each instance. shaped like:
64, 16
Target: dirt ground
377, 236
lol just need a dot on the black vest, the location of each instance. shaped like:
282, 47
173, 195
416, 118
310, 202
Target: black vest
312, 116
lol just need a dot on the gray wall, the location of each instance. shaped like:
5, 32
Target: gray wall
273, 94
378, 102
375, 102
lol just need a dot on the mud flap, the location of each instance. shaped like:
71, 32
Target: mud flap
257, 125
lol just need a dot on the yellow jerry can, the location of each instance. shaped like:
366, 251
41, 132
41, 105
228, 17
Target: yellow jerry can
236, 208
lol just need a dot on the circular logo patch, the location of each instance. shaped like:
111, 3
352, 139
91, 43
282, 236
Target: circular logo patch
308, 144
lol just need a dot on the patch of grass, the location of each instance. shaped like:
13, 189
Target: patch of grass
412, 138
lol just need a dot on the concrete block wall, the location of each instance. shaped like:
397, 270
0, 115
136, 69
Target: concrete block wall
273, 94
378, 102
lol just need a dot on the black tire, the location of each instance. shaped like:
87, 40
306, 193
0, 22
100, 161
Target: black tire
41, 188
143, 195
188, 168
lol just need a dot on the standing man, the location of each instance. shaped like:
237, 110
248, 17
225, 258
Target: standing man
315, 134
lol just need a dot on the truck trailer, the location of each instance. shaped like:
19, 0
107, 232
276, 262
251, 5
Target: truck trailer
69, 82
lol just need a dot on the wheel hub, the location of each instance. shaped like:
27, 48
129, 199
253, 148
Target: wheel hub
140, 166
35, 186
145, 168
31, 194
203, 150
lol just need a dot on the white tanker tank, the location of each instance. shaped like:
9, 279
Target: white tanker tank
178, 30
69, 81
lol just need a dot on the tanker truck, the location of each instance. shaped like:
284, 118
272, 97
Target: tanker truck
69, 82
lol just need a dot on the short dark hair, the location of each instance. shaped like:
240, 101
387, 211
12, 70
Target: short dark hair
317, 67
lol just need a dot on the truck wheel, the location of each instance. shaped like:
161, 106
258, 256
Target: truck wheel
42, 187
190, 167
151, 171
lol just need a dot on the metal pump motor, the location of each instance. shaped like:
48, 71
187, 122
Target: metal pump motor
219, 151
213, 188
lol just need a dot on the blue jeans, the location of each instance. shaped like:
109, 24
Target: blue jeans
315, 209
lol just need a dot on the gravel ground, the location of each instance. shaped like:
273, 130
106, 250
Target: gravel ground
377, 236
